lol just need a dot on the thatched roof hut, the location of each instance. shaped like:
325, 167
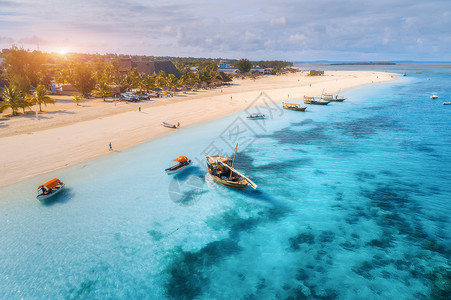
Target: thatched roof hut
223, 77
151, 68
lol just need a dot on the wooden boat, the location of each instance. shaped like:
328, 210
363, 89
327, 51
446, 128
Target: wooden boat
49, 189
221, 170
332, 98
294, 106
446, 103
434, 96
313, 101
168, 125
183, 163
256, 116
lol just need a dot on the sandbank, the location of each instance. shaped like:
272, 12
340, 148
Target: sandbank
66, 134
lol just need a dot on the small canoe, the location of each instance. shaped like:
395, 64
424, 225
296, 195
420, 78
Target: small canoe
446, 103
168, 125
434, 96
183, 164
50, 189
256, 116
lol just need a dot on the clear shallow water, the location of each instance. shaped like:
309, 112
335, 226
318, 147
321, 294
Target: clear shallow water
353, 202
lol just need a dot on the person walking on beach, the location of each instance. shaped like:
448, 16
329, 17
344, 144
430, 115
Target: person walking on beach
139, 109
178, 124
111, 147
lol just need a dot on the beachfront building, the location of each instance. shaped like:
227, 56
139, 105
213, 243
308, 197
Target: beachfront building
224, 64
151, 68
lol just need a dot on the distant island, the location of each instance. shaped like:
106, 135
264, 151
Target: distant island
364, 64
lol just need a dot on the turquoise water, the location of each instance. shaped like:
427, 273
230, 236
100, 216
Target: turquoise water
354, 201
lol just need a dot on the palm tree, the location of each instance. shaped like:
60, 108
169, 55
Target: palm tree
13, 99
77, 99
102, 90
161, 79
40, 97
149, 83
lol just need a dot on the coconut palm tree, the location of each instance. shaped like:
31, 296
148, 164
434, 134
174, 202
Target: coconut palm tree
13, 99
171, 80
102, 90
40, 97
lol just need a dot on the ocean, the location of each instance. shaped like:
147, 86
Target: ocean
353, 202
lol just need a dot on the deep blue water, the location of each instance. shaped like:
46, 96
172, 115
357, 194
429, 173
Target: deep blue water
354, 201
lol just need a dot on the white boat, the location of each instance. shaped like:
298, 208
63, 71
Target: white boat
434, 96
168, 125
256, 116
446, 103
183, 163
50, 189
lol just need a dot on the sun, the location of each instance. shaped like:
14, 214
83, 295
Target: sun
62, 51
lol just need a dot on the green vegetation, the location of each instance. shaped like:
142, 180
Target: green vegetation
77, 99
39, 97
12, 98
30, 74
244, 65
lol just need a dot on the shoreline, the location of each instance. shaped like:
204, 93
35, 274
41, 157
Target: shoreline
28, 150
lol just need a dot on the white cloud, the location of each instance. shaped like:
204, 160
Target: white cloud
277, 21
298, 37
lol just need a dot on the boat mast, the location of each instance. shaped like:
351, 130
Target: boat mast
233, 161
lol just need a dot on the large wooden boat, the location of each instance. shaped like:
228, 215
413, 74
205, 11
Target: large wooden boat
313, 101
294, 106
183, 163
221, 170
49, 189
332, 98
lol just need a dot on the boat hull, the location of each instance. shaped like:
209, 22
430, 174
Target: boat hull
296, 109
168, 125
316, 102
170, 171
43, 197
227, 183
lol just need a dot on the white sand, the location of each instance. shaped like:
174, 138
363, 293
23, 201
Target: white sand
67, 134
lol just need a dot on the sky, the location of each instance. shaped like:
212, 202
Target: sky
303, 30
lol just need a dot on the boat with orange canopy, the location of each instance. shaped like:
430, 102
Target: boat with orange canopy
293, 106
49, 189
183, 163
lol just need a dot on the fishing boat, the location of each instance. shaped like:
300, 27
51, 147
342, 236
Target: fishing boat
313, 101
332, 98
256, 116
168, 125
446, 103
49, 189
183, 164
294, 106
221, 170
434, 96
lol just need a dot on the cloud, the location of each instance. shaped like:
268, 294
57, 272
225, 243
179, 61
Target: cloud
278, 21
287, 29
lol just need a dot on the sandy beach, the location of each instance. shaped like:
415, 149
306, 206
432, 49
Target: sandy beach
66, 134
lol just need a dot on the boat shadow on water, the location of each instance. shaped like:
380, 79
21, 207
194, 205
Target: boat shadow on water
63, 197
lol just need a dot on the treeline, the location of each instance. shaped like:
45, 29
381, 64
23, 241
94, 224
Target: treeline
29, 73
